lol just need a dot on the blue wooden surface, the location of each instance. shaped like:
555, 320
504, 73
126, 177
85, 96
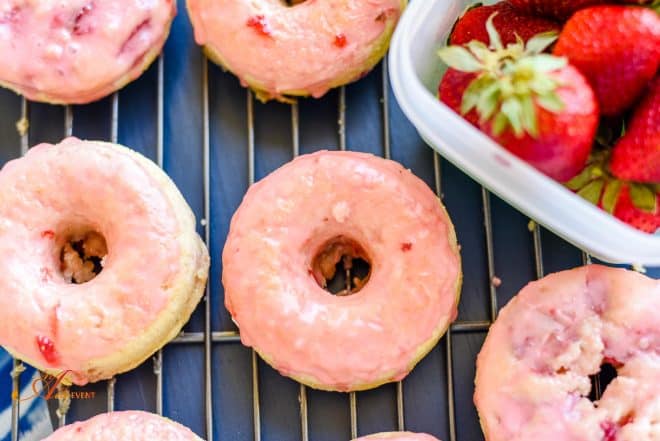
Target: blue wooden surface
425, 390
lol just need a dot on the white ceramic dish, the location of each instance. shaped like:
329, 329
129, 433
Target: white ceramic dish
415, 72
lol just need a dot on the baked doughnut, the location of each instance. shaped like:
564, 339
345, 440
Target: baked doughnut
70, 211
532, 379
124, 426
306, 48
285, 241
397, 436
77, 51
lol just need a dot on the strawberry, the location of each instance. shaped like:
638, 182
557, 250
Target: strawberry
535, 105
636, 156
634, 203
558, 9
617, 48
509, 23
644, 220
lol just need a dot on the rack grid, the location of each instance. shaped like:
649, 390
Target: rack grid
213, 424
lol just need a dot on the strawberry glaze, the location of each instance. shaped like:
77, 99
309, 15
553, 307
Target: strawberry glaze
124, 426
533, 371
397, 436
309, 45
78, 51
331, 342
61, 188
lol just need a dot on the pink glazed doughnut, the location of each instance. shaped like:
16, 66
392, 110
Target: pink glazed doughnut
72, 210
397, 436
77, 51
124, 426
305, 49
284, 242
533, 372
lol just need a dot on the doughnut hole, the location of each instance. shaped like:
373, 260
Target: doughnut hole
341, 266
601, 380
293, 2
82, 256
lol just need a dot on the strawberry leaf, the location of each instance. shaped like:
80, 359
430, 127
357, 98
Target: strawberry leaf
611, 195
500, 123
580, 180
550, 102
592, 191
541, 42
656, 6
488, 101
542, 84
643, 197
472, 95
478, 49
493, 35
512, 109
545, 62
529, 115
460, 59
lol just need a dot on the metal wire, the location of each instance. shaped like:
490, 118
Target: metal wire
352, 399
490, 253
342, 118
387, 153
251, 178
341, 132
111, 394
114, 138
451, 405
295, 151
538, 251
68, 121
62, 390
16, 398
208, 377
158, 358
25, 139
386, 109
17, 364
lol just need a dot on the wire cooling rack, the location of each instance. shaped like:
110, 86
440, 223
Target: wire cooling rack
214, 140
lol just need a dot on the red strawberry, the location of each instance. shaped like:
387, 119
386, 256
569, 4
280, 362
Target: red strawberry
564, 138
634, 203
509, 23
559, 9
617, 48
451, 90
627, 211
636, 157
534, 104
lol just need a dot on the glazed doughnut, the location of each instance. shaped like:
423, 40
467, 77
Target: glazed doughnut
305, 49
71, 210
397, 436
124, 426
532, 379
285, 241
77, 51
